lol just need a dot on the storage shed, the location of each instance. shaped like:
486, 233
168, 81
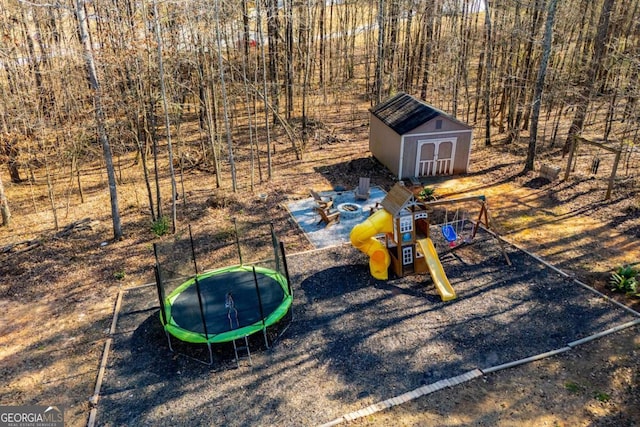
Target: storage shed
414, 139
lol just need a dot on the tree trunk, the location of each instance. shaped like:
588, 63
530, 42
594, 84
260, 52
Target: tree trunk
289, 58
381, 54
265, 92
5, 213
305, 24
272, 35
167, 122
521, 99
428, 40
145, 171
51, 194
322, 47
11, 152
406, 66
487, 76
600, 45
537, 96
225, 102
83, 30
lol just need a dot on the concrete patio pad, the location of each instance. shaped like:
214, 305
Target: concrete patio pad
322, 236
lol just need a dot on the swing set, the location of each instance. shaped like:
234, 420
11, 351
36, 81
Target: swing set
453, 230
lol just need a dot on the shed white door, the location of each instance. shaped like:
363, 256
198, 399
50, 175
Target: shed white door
435, 156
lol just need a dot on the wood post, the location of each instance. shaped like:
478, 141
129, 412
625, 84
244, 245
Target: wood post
612, 178
570, 159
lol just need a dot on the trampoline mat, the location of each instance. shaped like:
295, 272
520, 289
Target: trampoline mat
185, 309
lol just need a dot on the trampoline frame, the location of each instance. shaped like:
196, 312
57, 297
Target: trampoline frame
280, 275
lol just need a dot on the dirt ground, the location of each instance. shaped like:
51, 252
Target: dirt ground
58, 288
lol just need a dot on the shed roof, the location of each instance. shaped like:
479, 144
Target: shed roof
403, 113
398, 198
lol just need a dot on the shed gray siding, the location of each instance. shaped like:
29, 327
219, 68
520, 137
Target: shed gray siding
384, 144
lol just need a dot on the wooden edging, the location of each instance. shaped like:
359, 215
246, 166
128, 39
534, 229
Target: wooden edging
405, 397
93, 400
284, 205
468, 376
525, 360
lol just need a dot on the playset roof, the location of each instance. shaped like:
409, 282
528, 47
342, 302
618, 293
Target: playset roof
398, 198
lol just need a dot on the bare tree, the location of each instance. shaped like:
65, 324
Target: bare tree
265, 94
5, 213
225, 102
600, 46
542, 73
273, 37
380, 59
167, 121
487, 75
83, 30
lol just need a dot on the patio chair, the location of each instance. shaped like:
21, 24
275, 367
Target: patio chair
321, 202
362, 192
375, 208
327, 216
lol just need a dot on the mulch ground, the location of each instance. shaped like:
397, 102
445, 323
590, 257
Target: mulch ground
352, 340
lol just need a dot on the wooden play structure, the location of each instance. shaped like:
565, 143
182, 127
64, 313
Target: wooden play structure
397, 237
617, 151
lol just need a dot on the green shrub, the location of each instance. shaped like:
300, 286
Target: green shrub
427, 194
119, 275
625, 279
160, 227
572, 386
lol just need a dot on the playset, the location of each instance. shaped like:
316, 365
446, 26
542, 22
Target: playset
396, 237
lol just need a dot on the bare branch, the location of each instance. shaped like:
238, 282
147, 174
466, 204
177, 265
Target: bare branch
55, 5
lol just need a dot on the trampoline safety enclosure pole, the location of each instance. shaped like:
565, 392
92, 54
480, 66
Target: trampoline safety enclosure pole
199, 293
264, 326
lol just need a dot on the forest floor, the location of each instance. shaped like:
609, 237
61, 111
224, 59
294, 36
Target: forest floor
58, 287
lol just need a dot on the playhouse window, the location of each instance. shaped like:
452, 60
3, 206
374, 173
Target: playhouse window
438, 124
407, 255
406, 224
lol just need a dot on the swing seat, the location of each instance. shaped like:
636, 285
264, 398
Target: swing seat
449, 233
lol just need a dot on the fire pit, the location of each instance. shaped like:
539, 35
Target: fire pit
349, 210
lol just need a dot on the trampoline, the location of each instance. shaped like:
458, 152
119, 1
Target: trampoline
225, 304
260, 297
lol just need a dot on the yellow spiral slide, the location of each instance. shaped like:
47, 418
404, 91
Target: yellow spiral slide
363, 238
